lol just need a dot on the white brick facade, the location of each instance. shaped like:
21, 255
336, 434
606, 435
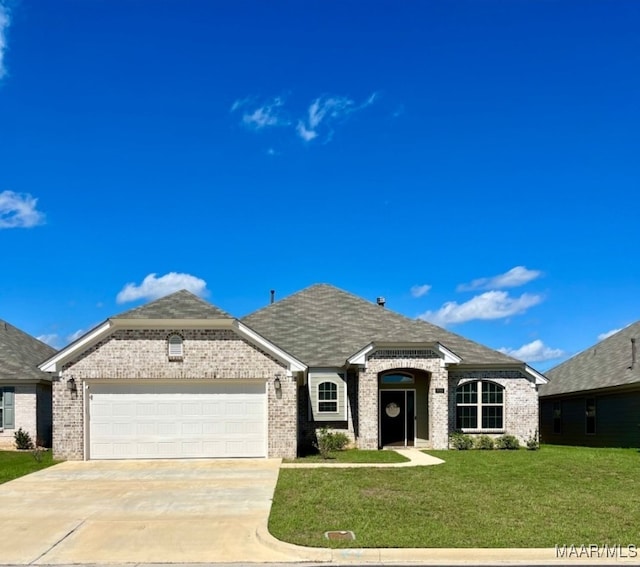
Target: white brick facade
142, 355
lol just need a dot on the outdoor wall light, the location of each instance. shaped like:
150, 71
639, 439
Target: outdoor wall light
71, 384
277, 384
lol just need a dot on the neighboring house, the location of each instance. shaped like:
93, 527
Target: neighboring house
178, 377
593, 398
25, 391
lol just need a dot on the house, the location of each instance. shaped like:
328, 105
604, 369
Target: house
179, 377
25, 391
593, 399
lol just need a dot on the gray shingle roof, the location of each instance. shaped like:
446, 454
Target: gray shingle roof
20, 355
323, 326
179, 305
603, 365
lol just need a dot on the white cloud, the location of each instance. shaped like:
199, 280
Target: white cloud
420, 290
18, 210
535, 351
75, 336
603, 336
489, 305
153, 287
4, 25
513, 278
324, 112
263, 115
52, 340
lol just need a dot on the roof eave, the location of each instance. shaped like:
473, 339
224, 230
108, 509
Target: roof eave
359, 357
537, 378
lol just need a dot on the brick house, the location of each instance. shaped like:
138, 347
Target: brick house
25, 391
178, 377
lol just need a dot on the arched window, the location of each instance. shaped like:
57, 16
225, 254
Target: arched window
175, 346
480, 405
328, 397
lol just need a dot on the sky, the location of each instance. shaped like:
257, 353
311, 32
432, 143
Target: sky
474, 162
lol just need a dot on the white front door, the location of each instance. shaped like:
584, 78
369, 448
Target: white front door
138, 420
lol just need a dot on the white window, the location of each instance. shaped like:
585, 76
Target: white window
175, 347
480, 405
327, 397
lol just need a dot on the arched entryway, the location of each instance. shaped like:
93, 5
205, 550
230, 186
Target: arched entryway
403, 407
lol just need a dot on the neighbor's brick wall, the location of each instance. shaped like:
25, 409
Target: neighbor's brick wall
25, 415
368, 396
520, 400
142, 354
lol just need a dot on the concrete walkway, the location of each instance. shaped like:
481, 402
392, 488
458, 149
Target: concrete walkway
416, 459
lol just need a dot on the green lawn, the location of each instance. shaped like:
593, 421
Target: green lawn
14, 464
558, 495
354, 456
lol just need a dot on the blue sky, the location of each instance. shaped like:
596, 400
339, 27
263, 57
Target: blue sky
474, 162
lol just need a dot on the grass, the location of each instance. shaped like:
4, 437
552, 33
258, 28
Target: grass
353, 456
558, 495
14, 464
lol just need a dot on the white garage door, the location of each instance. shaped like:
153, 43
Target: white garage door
178, 420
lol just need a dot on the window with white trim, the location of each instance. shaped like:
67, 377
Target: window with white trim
480, 406
327, 397
7, 409
174, 345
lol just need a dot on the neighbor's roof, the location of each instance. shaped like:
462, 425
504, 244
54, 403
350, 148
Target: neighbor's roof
20, 354
604, 365
179, 305
323, 326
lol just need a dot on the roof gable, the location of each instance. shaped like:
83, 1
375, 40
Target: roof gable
179, 305
324, 326
20, 354
603, 365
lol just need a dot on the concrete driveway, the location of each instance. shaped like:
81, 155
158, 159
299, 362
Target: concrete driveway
176, 511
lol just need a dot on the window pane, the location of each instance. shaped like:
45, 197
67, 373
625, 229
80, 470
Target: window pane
467, 393
591, 416
467, 417
492, 417
328, 406
327, 391
491, 393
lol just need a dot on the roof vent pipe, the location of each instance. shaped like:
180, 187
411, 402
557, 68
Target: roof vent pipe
633, 353
273, 295
381, 301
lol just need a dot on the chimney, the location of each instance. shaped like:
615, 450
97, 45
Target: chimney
273, 295
381, 301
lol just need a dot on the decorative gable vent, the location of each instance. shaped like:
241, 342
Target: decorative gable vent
175, 347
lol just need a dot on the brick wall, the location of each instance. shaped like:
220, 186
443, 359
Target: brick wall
368, 387
520, 400
25, 404
142, 354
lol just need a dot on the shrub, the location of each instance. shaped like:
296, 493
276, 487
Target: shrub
508, 442
484, 442
330, 441
533, 443
461, 441
23, 439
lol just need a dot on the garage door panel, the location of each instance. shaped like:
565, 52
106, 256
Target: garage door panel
131, 420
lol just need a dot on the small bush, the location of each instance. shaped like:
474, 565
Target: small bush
330, 441
461, 441
533, 443
508, 442
23, 439
484, 442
